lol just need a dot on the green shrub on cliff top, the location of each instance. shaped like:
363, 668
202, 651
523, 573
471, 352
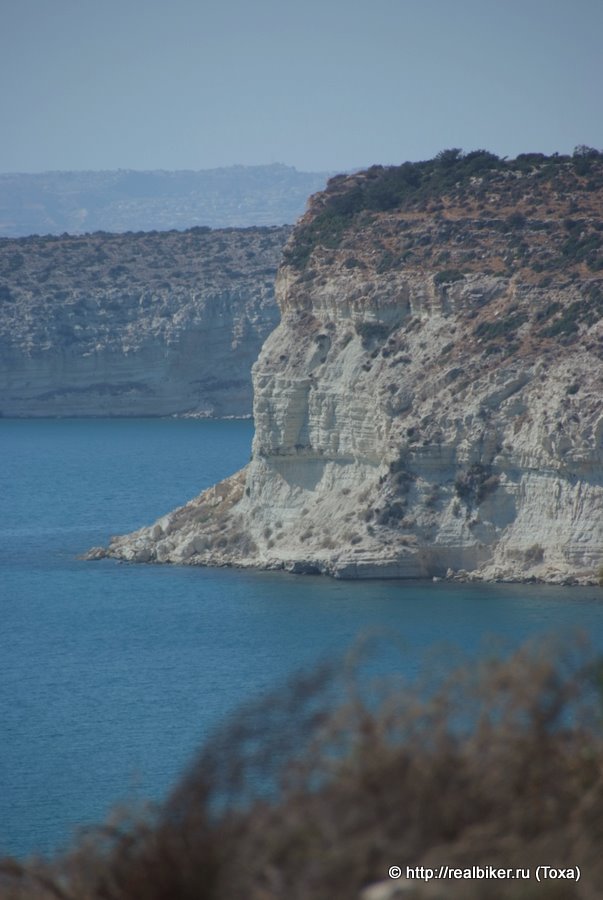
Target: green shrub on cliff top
383, 188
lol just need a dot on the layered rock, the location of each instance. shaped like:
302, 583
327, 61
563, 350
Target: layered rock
137, 324
430, 402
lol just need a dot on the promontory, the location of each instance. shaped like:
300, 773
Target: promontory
431, 401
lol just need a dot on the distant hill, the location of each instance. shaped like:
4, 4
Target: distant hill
139, 324
124, 200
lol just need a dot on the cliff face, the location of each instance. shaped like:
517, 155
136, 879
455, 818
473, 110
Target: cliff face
431, 399
136, 324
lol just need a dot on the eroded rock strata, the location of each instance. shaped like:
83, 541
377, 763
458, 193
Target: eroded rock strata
431, 401
152, 323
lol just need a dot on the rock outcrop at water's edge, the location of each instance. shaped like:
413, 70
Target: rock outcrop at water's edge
430, 402
145, 324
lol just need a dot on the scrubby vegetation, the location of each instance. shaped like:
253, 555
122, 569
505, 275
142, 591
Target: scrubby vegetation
61, 269
464, 179
82, 291
474, 484
504, 327
315, 791
447, 276
587, 311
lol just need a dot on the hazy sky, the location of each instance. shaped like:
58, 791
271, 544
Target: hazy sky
318, 84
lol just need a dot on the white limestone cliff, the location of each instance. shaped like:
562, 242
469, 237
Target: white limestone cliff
400, 432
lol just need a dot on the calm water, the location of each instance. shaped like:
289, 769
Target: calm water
111, 675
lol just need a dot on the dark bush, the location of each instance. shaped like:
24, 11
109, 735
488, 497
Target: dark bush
503, 327
372, 332
312, 793
516, 220
475, 483
448, 276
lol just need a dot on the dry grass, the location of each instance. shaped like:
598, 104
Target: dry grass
313, 793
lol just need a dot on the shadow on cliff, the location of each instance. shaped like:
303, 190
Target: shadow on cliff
316, 790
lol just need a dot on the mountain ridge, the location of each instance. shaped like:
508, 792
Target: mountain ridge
131, 200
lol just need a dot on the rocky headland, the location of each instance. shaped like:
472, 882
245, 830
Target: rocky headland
137, 324
431, 402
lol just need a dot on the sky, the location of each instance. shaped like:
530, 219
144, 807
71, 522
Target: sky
322, 85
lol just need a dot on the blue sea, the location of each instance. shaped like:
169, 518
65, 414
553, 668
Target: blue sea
111, 675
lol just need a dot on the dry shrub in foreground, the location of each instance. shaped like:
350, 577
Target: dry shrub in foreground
314, 792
